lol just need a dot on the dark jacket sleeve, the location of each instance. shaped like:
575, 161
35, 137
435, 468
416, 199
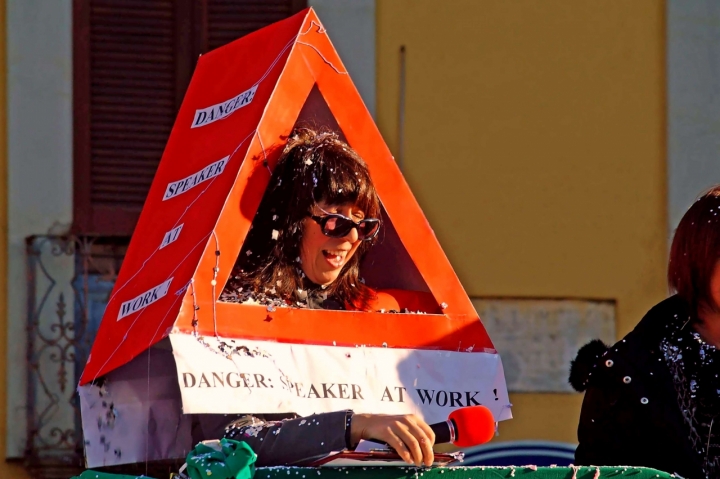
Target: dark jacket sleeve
603, 431
292, 441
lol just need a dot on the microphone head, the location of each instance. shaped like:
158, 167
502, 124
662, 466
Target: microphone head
475, 425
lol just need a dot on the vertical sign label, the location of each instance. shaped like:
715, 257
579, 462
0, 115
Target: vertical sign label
181, 186
205, 116
171, 236
145, 299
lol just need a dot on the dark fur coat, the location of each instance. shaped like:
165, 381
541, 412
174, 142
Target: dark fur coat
631, 414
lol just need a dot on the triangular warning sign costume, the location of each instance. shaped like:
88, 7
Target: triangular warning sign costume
226, 358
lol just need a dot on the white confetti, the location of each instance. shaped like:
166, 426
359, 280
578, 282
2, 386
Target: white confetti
275, 234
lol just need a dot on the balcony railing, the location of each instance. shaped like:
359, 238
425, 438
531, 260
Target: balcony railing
69, 279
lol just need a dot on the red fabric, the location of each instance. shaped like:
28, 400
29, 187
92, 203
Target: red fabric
399, 300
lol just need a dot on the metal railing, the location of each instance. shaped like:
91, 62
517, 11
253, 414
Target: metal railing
69, 279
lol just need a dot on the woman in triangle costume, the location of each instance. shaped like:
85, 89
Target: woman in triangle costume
318, 218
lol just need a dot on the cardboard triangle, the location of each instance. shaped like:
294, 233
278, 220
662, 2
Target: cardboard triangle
216, 358
243, 99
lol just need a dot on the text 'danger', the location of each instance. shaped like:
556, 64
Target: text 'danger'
205, 116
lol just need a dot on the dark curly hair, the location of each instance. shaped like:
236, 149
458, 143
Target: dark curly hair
315, 166
695, 252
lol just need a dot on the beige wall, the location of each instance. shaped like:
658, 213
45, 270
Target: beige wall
6, 469
39, 132
535, 143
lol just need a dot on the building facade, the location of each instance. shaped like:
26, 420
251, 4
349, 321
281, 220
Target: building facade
552, 147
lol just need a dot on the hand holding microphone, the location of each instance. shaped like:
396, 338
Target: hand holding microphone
407, 434
413, 439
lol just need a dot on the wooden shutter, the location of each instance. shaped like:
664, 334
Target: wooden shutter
228, 20
133, 60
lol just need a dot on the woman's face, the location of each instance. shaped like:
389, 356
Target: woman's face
322, 258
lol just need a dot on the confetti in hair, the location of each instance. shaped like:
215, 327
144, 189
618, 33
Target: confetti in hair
315, 166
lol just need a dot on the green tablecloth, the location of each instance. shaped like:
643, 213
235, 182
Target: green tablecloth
222, 459
90, 474
437, 473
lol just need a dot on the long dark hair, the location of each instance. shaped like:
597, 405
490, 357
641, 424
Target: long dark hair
314, 166
695, 251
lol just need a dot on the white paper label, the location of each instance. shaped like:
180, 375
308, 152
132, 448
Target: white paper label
171, 236
143, 300
181, 186
310, 379
211, 114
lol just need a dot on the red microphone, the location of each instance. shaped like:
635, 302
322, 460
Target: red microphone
466, 427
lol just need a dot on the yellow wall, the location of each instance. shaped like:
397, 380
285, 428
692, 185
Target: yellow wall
535, 143
14, 471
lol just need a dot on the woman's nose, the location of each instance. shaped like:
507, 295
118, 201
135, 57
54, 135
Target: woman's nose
352, 235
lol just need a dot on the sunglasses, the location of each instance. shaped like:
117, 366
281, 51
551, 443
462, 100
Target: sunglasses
336, 226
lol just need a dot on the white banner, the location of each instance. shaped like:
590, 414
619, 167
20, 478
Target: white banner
239, 376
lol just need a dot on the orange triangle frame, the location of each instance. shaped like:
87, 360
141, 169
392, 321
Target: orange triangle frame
175, 286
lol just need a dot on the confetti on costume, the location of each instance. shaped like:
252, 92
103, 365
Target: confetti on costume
694, 365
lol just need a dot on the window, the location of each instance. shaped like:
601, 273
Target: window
133, 60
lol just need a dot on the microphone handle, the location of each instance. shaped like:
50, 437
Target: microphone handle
445, 431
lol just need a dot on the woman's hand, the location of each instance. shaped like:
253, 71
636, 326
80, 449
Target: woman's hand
409, 435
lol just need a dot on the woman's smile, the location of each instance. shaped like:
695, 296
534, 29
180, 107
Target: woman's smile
336, 258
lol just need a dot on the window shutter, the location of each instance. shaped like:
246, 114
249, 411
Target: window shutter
133, 60
131, 105
228, 20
